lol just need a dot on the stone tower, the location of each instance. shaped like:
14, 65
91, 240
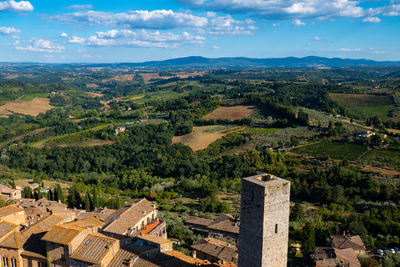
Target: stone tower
264, 221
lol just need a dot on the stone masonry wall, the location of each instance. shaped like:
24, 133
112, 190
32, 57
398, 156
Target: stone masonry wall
264, 223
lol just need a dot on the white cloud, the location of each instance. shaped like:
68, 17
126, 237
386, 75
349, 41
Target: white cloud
8, 31
372, 20
63, 34
349, 49
14, 6
76, 40
41, 45
316, 38
143, 38
77, 7
298, 22
215, 47
161, 20
284, 9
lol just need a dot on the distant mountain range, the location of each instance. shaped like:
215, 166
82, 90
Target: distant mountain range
235, 62
243, 62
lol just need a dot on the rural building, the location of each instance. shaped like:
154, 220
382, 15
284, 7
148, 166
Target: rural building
364, 135
331, 257
223, 226
9, 193
215, 251
348, 241
119, 130
264, 221
343, 252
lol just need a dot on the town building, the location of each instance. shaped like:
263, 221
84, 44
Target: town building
215, 251
264, 221
343, 251
130, 236
225, 226
9, 193
12, 214
133, 218
348, 241
332, 257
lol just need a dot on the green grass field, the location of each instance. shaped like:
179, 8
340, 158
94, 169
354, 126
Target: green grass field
333, 150
259, 131
69, 139
33, 96
379, 111
389, 157
366, 105
160, 96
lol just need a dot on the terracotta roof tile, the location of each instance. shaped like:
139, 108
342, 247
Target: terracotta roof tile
8, 210
218, 249
125, 256
61, 235
176, 255
199, 221
6, 228
348, 241
43, 225
225, 226
150, 227
349, 256
128, 216
14, 240
87, 222
94, 248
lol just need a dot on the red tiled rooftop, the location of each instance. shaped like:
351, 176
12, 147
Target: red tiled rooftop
150, 227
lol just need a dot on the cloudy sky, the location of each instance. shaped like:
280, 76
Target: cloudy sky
142, 30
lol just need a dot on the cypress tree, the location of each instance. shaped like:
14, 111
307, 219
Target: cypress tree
58, 195
95, 199
87, 203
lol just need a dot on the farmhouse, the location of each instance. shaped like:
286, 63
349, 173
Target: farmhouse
119, 130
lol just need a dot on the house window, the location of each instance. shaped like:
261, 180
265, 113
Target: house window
276, 228
42, 264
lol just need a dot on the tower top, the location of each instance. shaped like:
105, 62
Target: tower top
266, 180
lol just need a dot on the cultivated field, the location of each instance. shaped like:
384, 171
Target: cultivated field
122, 78
154, 75
34, 107
202, 137
92, 85
231, 113
333, 150
366, 104
361, 100
93, 94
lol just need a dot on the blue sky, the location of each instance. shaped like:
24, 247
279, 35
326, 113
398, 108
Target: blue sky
136, 31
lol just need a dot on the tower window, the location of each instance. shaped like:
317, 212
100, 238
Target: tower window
276, 228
